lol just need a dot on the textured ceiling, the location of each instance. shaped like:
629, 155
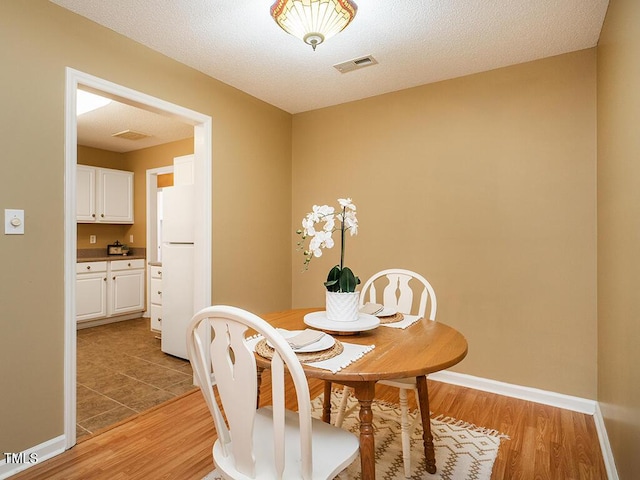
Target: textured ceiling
96, 128
414, 41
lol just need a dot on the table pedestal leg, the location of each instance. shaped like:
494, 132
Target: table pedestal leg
326, 404
364, 392
423, 395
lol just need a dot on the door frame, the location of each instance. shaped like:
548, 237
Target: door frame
203, 170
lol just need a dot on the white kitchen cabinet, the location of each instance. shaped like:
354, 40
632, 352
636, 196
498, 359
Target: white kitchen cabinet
156, 297
85, 194
103, 195
127, 286
91, 290
108, 289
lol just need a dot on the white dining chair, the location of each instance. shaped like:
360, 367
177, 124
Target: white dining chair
269, 442
398, 295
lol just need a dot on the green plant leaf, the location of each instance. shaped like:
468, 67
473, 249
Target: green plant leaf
333, 279
348, 281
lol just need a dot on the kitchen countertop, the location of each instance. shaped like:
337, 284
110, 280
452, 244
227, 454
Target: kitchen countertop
105, 258
100, 255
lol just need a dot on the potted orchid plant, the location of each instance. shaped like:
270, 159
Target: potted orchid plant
342, 299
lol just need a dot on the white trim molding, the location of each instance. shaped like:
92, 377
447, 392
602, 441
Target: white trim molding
202, 127
605, 446
32, 456
545, 397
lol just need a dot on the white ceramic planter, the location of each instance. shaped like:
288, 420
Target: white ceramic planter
342, 307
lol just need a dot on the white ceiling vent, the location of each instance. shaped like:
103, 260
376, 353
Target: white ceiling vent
355, 64
130, 135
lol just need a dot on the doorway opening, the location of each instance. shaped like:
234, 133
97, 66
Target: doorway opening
202, 212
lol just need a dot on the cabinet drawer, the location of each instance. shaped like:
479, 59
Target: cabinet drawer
89, 267
156, 291
126, 264
156, 272
156, 318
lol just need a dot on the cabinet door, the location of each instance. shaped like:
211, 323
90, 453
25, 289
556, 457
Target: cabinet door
91, 295
115, 196
85, 194
127, 291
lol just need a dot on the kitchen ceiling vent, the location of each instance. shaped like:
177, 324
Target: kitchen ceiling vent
355, 64
130, 135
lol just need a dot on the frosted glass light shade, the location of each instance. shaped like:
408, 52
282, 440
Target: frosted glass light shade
313, 21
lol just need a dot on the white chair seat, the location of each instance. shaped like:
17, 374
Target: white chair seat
328, 442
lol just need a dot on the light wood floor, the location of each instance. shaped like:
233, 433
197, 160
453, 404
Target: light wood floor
174, 440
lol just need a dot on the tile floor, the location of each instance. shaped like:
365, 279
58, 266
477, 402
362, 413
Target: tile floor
121, 371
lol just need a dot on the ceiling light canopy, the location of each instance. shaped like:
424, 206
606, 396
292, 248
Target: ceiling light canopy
313, 21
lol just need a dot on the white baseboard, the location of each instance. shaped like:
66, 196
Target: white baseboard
34, 455
545, 397
559, 400
605, 446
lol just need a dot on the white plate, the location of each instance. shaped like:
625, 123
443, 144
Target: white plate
325, 342
386, 312
320, 320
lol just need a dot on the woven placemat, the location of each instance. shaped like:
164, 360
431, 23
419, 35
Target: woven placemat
396, 317
266, 351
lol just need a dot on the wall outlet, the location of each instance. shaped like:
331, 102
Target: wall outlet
130, 238
92, 239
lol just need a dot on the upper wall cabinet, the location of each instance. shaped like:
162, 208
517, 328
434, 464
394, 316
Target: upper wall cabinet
104, 195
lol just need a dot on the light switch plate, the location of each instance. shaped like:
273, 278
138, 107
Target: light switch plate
13, 222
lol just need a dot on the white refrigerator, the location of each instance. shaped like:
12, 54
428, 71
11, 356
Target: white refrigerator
177, 267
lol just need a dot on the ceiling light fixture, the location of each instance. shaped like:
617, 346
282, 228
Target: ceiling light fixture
313, 21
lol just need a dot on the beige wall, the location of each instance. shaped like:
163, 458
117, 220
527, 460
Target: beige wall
619, 232
251, 163
487, 186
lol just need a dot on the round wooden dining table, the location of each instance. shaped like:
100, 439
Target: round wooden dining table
422, 348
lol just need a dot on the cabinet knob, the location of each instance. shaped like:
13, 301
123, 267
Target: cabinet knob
93, 215
159, 292
160, 274
129, 264
88, 267
105, 279
102, 215
114, 278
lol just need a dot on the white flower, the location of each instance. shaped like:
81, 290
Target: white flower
321, 238
308, 226
319, 212
320, 241
351, 223
346, 203
329, 224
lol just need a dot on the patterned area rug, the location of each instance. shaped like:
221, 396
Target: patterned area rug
463, 451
